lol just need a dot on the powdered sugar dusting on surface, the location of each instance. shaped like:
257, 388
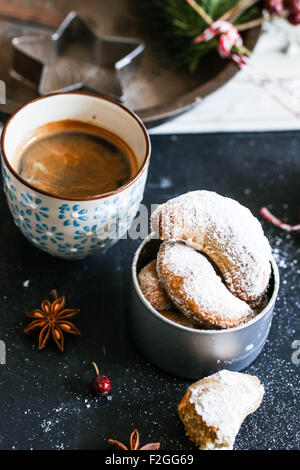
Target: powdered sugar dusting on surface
223, 229
151, 404
200, 284
225, 402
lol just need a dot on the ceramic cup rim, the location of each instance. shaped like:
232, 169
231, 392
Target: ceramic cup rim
197, 332
87, 198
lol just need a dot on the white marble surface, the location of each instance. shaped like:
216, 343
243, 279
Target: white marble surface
243, 106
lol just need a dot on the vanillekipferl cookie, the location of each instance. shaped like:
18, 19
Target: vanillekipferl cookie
226, 232
154, 292
213, 409
191, 282
152, 289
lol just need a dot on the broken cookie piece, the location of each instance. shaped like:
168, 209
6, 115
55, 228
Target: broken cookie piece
213, 409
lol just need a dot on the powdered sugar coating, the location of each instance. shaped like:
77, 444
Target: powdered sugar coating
192, 283
224, 399
226, 231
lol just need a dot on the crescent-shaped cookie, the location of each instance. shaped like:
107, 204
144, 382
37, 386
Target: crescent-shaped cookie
224, 230
191, 282
152, 288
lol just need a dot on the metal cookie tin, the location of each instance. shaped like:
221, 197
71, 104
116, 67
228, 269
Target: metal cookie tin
187, 352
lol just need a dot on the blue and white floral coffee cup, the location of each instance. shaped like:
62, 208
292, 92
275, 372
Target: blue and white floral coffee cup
63, 227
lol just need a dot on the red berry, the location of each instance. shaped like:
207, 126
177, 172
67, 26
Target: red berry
294, 19
274, 7
293, 6
101, 384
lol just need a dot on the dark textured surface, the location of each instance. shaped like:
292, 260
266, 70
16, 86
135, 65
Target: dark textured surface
44, 395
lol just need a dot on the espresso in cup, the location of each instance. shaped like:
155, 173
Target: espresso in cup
75, 159
74, 171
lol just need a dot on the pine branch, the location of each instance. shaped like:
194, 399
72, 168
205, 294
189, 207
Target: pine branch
172, 24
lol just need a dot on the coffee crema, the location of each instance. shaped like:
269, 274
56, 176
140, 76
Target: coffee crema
74, 159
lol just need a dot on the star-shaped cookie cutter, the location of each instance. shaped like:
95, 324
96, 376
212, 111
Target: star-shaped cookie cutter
75, 57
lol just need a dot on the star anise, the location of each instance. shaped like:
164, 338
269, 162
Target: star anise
134, 443
52, 318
